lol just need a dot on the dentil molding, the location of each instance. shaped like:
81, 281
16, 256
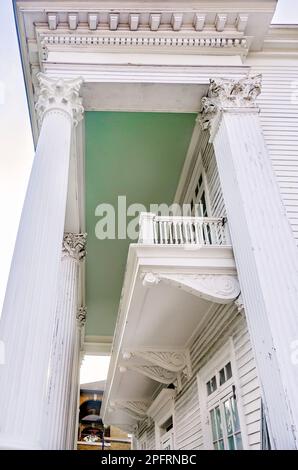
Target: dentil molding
74, 245
102, 42
58, 95
219, 288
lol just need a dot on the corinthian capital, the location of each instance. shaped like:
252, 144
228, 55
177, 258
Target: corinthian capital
74, 245
225, 93
81, 316
60, 95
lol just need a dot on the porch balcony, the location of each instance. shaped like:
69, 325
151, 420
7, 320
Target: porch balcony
176, 276
182, 230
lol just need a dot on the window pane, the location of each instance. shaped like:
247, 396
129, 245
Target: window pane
231, 443
228, 371
221, 445
215, 445
228, 417
218, 422
213, 425
235, 416
213, 384
222, 378
238, 438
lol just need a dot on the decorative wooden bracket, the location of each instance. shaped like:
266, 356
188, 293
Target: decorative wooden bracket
157, 373
162, 366
219, 288
135, 409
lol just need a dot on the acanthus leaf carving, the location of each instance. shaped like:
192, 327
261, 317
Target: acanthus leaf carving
74, 245
224, 93
81, 316
59, 94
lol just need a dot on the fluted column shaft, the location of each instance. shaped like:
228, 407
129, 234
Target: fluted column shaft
63, 390
27, 321
74, 400
264, 247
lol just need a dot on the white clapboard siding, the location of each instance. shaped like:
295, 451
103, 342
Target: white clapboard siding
223, 323
187, 419
279, 119
151, 436
249, 385
213, 182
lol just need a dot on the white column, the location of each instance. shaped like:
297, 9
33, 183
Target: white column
73, 418
27, 320
265, 251
60, 415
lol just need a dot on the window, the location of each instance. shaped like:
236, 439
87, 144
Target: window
166, 434
220, 404
211, 385
225, 425
220, 378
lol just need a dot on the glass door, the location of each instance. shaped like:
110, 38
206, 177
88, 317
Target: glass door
225, 425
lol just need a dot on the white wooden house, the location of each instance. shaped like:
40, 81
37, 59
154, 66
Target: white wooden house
185, 102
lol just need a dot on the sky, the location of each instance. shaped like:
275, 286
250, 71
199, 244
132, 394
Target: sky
94, 368
17, 151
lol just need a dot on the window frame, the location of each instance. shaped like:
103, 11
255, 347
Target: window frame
207, 402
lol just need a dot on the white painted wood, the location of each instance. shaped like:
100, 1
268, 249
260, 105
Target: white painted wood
142, 307
62, 356
216, 199
265, 253
279, 120
146, 224
182, 230
224, 326
188, 419
27, 320
59, 425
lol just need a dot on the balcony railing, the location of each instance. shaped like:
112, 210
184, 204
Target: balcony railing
176, 230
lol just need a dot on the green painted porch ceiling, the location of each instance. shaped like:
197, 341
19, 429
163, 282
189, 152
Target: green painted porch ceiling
139, 155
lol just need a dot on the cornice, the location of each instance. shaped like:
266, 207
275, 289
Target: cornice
266, 6
211, 43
